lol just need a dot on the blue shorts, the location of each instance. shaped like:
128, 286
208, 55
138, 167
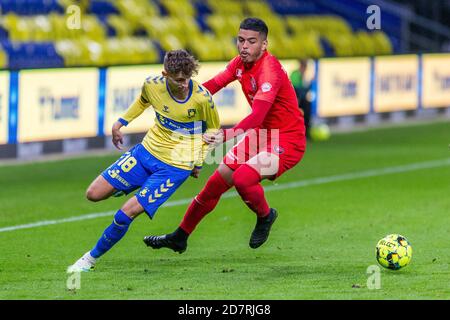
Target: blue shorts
138, 168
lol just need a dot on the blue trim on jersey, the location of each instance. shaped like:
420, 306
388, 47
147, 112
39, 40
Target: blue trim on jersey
191, 85
13, 106
186, 128
123, 121
101, 102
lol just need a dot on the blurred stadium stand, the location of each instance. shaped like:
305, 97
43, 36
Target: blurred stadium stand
34, 33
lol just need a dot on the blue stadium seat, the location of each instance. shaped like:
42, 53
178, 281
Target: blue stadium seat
32, 55
102, 7
3, 33
294, 6
30, 7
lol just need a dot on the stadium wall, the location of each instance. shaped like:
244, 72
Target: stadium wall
71, 110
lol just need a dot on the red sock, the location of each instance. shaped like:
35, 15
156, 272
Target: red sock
204, 202
247, 183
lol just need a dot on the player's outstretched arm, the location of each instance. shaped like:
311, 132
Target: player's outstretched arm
221, 80
253, 120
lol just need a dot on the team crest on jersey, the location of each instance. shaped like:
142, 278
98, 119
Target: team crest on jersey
191, 113
278, 149
253, 82
166, 109
266, 86
239, 73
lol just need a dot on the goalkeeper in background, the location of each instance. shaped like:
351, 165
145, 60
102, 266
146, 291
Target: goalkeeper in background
171, 151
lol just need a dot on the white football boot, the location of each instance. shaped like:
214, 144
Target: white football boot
85, 264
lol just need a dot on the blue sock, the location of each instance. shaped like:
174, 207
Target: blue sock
112, 234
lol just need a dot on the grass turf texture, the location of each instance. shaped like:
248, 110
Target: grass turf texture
320, 247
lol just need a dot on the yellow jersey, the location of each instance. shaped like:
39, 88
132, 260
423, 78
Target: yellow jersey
176, 137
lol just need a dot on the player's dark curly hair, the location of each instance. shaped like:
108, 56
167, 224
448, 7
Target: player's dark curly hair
255, 24
180, 60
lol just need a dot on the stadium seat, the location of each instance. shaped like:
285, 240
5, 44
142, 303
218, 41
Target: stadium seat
382, 43
179, 8
297, 29
122, 27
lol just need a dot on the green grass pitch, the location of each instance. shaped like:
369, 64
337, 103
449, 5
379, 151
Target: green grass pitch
333, 208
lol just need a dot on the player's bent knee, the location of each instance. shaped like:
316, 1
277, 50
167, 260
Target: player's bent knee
93, 195
90, 195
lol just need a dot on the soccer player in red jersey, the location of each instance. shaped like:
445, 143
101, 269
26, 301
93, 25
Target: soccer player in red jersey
274, 138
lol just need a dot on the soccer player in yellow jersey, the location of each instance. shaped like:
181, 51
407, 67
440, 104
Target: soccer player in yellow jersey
171, 151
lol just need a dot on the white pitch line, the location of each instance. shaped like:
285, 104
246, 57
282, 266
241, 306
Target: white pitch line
289, 185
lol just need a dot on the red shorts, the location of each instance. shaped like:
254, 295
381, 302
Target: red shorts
289, 149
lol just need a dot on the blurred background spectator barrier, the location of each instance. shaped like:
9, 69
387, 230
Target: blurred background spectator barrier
78, 103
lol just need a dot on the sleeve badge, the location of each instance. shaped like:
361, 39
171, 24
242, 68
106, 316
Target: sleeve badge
266, 86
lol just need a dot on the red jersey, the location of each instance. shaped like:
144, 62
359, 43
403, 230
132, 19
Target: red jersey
266, 80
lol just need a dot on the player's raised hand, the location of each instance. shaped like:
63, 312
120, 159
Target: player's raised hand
117, 136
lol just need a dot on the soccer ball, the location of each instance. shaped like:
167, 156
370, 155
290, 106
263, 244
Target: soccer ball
320, 132
394, 252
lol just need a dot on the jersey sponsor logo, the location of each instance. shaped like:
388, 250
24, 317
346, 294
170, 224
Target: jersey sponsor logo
115, 175
278, 149
253, 83
266, 86
188, 128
